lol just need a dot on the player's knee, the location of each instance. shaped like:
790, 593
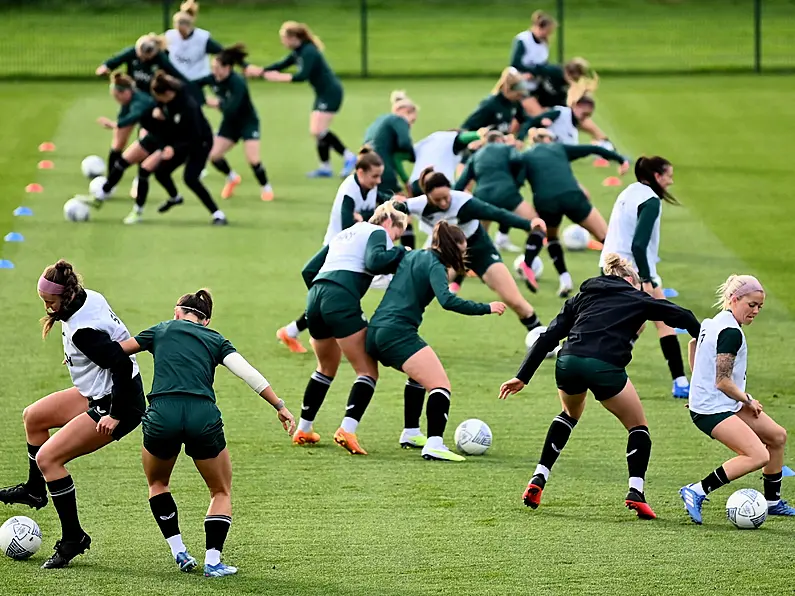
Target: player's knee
44, 460
778, 439
31, 418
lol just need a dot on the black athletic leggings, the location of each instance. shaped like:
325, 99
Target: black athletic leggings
195, 159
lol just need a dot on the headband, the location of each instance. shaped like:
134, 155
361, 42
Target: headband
50, 287
196, 310
749, 286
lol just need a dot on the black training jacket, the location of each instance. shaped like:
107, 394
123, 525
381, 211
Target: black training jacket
601, 322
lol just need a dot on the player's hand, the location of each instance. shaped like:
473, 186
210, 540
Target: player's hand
158, 114
510, 387
271, 75
287, 420
253, 71
546, 122
357, 217
623, 168
754, 407
647, 287
102, 70
107, 425
167, 153
538, 223
213, 102
106, 122
497, 308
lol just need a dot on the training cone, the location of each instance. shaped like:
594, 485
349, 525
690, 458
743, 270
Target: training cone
595, 245
23, 212
47, 146
670, 293
14, 237
611, 181
6, 264
681, 331
46, 164
787, 471
35, 187
601, 162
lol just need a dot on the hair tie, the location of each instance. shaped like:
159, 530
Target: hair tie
46, 286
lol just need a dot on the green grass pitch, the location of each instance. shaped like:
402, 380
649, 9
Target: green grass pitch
317, 521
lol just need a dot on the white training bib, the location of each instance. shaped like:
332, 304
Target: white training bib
189, 56
535, 52
565, 130
362, 202
346, 251
458, 199
624, 221
436, 150
705, 397
90, 380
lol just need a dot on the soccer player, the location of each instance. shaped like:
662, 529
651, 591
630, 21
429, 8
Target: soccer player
147, 56
441, 203
554, 82
338, 277
599, 323
182, 410
556, 193
390, 137
183, 136
105, 403
720, 407
306, 50
393, 335
565, 122
356, 200
240, 120
502, 110
634, 234
531, 49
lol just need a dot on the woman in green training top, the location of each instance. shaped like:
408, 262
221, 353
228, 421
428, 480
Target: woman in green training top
555, 82
338, 277
440, 203
556, 193
240, 120
393, 334
307, 52
390, 137
142, 61
182, 410
502, 110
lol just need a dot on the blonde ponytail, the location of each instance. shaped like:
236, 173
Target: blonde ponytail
401, 101
389, 211
615, 265
187, 13
509, 79
583, 80
736, 286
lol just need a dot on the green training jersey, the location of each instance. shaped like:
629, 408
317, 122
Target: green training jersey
142, 72
312, 68
233, 94
186, 355
390, 135
140, 104
497, 168
548, 171
496, 112
420, 277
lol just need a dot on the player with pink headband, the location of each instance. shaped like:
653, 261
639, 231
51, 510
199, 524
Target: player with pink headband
104, 404
720, 407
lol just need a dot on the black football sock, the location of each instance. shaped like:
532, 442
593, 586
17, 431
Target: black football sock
314, 394
35, 484
436, 411
113, 155
259, 172
222, 166
557, 437
772, 484
115, 174
64, 499
714, 480
359, 398
335, 143
413, 400
531, 322
216, 529
535, 242
143, 187
556, 254
638, 454
164, 510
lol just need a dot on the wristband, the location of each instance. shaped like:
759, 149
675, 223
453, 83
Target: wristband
749, 400
278, 405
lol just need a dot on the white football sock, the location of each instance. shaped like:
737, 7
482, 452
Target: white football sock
219, 215
305, 426
681, 382
698, 489
139, 210
434, 443
565, 279
542, 471
292, 329
267, 188
636, 483
349, 425
325, 165
411, 432
348, 154
212, 557
231, 176
501, 238
176, 544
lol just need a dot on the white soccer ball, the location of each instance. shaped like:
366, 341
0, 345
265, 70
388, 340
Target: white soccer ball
532, 337
77, 209
576, 237
537, 266
20, 537
95, 188
473, 437
747, 509
93, 166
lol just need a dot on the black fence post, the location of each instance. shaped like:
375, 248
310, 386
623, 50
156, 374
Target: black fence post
561, 29
757, 36
166, 15
363, 37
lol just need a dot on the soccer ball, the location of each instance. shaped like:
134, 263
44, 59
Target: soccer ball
576, 237
747, 509
95, 188
473, 437
537, 267
76, 209
93, 166
532, 338
20, 538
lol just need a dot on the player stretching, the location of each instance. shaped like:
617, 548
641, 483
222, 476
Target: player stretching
182, 410
600, 323
105, 404
720, 407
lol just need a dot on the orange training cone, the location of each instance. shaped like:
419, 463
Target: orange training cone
46, 164
611, 181
34, 188
601, 162
47, 146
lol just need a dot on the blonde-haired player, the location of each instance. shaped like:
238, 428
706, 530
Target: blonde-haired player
531, 49
634, 234
720, 407
306, 50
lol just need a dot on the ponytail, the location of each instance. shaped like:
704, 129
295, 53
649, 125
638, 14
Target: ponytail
368, 159
163, 83
122, 81
187, 13
199, 304
61, 273
736, 286
302, 32
615, 265
430, 180
510, 80
646, 168
401, 101
446, 243
391, 210
542, 19
235, 54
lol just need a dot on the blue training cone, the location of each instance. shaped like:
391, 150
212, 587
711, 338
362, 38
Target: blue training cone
787, 471
23, 212
681, 331
6, 264
670, 293
14, 237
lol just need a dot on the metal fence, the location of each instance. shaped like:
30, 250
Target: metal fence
381, 38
